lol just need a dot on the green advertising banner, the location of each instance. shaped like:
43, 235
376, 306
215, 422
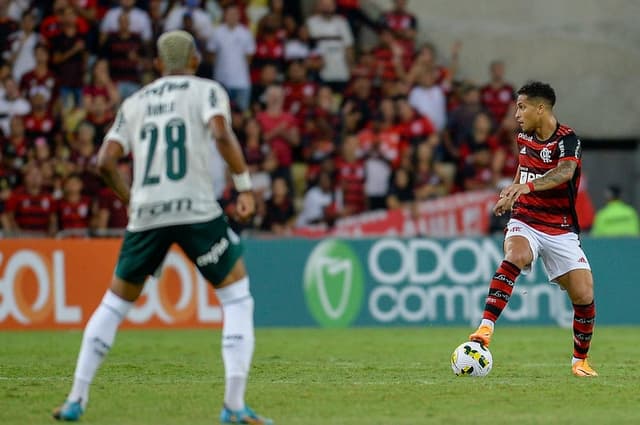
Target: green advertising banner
394, 282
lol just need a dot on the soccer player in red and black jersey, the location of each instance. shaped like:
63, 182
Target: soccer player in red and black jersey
543, 219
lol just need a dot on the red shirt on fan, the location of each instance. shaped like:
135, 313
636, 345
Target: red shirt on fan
74, 215
296, 92
43, 126
31, 212
351, 177
416, 130
280, 147
550, 211
31, 81
497, 101
109, 201
391, 144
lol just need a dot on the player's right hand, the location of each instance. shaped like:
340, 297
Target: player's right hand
245, 206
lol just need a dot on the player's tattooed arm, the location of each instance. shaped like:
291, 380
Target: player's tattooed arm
552, 178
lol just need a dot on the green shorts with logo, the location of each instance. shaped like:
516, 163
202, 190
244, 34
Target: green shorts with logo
212, 246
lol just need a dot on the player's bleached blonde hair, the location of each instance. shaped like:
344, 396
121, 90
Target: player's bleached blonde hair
175, 49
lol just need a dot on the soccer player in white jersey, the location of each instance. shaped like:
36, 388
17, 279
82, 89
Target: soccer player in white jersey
166, 126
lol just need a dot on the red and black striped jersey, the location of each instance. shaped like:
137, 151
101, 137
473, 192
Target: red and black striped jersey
550, 211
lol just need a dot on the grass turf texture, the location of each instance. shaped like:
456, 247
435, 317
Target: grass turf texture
331, 377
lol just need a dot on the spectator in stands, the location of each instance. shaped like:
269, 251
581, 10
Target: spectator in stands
84, 156
334, 41
497, 95
233, 45
11, 104
7, 24
51, 26
22, 44
279, 216
358, 107
16, 147
277, 17
125, 53
269, 48
403, 23
279, 129
139, 21
390, 64
110, 212
73, 211
30, 211
260, 159
616, 218
298, 90
506, 152
429, 100
100, 84
481, 135
401, 191
100, 116
351, 177
41, 78
40, 123
318, 201
384, 131
202, 26
157, 18
428, 183
415, 128
477, 173
426, 61
460, 122
356, 17
69, 58
377, 171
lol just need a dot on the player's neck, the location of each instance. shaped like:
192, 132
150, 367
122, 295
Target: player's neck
547, 128
185, 72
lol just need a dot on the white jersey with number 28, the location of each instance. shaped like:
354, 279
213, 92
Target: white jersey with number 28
165, 128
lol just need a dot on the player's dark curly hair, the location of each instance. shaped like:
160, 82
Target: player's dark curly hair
540, 90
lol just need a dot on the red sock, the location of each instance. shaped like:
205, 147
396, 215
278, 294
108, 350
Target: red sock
500, 290
584, 317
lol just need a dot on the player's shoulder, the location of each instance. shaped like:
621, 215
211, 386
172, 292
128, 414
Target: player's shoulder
565, 130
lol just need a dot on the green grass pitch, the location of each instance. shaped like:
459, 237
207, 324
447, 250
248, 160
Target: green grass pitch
398, 376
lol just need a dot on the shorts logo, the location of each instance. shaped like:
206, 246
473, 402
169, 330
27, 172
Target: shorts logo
333, 284
582, 260
213, 256
516, 229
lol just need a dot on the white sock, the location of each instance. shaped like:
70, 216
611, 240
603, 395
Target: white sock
96, 342
237, 340
487, 322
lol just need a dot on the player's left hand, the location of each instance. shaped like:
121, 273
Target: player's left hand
513, 192
245, 206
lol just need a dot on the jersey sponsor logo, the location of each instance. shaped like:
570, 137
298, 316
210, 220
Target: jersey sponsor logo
160, 109
215, 253
166, 86
526, 177
334, 284
163, 207
525, 136
545, 155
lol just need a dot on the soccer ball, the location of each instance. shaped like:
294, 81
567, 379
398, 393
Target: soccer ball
471, 359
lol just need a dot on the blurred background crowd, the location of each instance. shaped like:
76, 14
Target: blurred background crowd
331, 126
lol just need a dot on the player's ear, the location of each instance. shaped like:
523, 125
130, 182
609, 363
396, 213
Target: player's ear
194, 60
159, 66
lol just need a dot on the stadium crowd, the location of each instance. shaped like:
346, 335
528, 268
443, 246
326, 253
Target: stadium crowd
330, 126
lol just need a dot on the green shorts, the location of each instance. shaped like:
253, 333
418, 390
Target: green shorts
212, 246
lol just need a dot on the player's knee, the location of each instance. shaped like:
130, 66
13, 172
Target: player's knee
520, 258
